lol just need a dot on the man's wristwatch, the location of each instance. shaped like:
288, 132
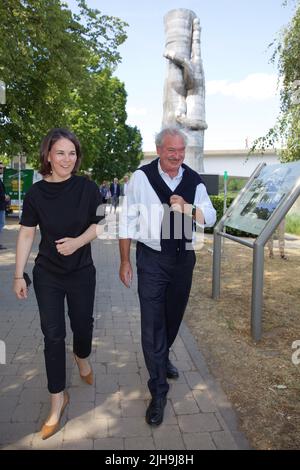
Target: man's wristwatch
194, 208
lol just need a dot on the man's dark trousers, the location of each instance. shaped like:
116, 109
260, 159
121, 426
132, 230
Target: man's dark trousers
164, 284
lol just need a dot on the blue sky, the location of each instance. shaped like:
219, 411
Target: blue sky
241, 97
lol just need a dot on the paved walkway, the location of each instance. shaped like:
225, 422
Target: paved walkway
110, 414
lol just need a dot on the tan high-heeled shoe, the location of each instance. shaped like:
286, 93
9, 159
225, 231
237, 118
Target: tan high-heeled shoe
48, 430
89, 378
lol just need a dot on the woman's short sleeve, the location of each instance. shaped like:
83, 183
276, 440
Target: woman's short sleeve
29, 216
96, 214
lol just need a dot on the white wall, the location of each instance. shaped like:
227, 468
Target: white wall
235, 162
236, 165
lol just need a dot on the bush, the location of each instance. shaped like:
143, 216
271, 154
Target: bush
234, 184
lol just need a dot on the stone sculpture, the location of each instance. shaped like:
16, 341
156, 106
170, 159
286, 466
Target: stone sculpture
184, 90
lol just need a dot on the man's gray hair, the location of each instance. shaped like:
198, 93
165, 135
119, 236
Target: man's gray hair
170, 130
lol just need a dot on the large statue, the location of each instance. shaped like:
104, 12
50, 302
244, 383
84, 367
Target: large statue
184, 91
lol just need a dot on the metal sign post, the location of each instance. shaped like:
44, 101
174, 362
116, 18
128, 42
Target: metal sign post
225, 176
259, 208
225, 191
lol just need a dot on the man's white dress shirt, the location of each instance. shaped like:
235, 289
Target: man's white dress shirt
142, 211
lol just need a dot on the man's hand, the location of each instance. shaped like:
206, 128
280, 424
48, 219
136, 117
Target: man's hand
126, 273
67, 246
178, 204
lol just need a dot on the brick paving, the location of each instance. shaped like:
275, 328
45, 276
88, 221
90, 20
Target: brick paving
110, 414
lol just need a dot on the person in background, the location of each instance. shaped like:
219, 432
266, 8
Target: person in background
124, 186
164, 201
105, 193
280, 231
64, 206
115, 192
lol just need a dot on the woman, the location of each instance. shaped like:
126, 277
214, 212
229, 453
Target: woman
64, 206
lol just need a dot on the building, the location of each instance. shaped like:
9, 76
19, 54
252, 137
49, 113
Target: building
235, 162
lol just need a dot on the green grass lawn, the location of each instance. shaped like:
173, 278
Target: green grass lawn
293, 224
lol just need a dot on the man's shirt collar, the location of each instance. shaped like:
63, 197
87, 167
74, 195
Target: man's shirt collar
165, 175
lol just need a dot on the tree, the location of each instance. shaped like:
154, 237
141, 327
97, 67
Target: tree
122, 150
111, 148
46, 54
134, 148
287, 127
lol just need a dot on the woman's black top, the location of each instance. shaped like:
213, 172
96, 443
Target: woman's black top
64, 209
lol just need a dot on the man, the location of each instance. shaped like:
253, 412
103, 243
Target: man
124, 186
164, 200
115, 192
2, 203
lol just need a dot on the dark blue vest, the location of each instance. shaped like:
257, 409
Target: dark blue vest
177, 228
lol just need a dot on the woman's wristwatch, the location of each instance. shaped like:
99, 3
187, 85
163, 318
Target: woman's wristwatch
194, 209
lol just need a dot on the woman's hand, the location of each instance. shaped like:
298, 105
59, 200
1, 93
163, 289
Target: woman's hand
20, 288
67, 246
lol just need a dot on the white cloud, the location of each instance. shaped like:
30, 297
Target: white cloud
256, 86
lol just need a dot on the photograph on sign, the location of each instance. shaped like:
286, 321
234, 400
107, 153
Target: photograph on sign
267, 191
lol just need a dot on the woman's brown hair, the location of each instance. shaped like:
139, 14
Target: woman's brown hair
47, 143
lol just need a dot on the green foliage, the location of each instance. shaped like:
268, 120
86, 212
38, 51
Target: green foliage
292, 224
111, 148
58, 67
218, 203
286, 130
5, 160
234, 184
103, 35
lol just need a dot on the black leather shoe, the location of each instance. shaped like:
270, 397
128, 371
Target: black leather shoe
172, 371
155, 411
